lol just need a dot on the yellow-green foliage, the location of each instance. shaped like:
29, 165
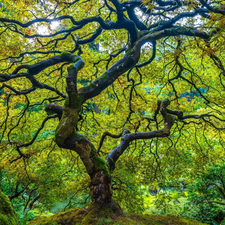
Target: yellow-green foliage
96, 217
7, 216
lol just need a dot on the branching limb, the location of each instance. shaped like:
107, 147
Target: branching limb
106, 133
38, 67
114, 155
35, 199
23, 92
131, 58
38, 84
107, 78
203, 116
212, 9
122, 23
130, 7
119, 9
29, 200
22, 155
17, 193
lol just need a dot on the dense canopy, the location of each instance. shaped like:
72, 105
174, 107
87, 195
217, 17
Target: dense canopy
109, 95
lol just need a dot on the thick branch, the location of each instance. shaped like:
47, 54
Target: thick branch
66, 135
131, 58
176, 31
38, 67
105, 80
130, 10
119, 10
53, 108
168, 24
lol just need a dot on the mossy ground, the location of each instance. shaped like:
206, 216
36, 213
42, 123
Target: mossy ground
106, 216
7, 216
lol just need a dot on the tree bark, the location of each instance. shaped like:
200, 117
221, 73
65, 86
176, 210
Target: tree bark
101, 188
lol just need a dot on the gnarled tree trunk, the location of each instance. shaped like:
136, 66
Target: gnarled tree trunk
101, 188
67, 137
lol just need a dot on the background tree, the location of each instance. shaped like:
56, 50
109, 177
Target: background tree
207, 196
127, 59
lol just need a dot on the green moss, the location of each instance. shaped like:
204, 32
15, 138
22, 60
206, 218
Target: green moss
103, 76
100, 164
102, 213
92, 85
72, 67
71, 217
80, 99
88, 87
64, 53
67, 102
93, 152
109, 214
76, 103
162, 219
7, 215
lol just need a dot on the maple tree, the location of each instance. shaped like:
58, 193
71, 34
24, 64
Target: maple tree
127, 70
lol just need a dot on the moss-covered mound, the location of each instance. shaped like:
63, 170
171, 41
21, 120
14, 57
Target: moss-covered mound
7, 216
107, 216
